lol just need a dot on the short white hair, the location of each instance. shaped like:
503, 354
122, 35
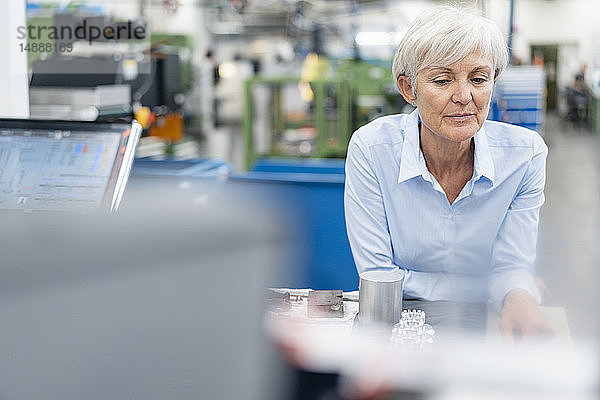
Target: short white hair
443, 35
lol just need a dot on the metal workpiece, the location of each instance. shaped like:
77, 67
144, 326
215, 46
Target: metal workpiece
325, 304
380, 297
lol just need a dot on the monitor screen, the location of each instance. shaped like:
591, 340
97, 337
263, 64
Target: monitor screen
64, 166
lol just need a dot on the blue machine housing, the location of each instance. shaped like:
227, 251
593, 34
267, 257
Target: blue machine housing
308, 192
313, 190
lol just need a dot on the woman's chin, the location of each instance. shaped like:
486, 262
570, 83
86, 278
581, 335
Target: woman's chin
460, 133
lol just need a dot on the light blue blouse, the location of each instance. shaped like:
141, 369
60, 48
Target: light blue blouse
398, 216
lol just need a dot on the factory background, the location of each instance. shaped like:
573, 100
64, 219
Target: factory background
259, 98
203, 51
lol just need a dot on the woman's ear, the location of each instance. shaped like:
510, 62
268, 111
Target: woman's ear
406, 89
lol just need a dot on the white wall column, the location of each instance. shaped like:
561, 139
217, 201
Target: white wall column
14, 81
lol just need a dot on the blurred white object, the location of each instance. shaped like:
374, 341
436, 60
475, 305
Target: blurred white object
162, 301
464, 365
412, 330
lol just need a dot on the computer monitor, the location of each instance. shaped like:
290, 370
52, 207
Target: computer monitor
64, 165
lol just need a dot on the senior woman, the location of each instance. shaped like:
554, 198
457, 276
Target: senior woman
449, 198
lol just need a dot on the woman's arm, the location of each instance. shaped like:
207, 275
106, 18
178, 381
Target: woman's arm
511, 283
366, 221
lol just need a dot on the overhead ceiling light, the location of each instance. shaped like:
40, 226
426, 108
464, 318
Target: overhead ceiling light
227, 69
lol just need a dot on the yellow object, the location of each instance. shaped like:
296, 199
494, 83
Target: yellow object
314, 68
305, 91
143, 116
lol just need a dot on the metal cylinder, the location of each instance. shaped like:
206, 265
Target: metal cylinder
380, 297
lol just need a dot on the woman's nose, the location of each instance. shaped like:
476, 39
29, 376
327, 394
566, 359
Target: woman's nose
462, 93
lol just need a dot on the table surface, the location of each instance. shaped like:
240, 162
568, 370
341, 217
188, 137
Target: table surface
552, 369
446, 317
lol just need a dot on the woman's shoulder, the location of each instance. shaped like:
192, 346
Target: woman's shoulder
502, 134
388, 129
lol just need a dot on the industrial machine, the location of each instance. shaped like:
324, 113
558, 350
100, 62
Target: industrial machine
315, 118
77, 72
374, 92
307, 119
84, 75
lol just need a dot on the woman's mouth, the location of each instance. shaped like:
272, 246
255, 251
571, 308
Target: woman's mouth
460, 117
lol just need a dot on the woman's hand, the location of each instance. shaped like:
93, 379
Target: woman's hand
521, 318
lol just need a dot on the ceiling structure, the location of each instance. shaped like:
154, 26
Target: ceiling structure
283, 17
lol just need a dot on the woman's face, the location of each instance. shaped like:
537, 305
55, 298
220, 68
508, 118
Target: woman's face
453, 101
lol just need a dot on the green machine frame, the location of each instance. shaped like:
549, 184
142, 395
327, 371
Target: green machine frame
332, 133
